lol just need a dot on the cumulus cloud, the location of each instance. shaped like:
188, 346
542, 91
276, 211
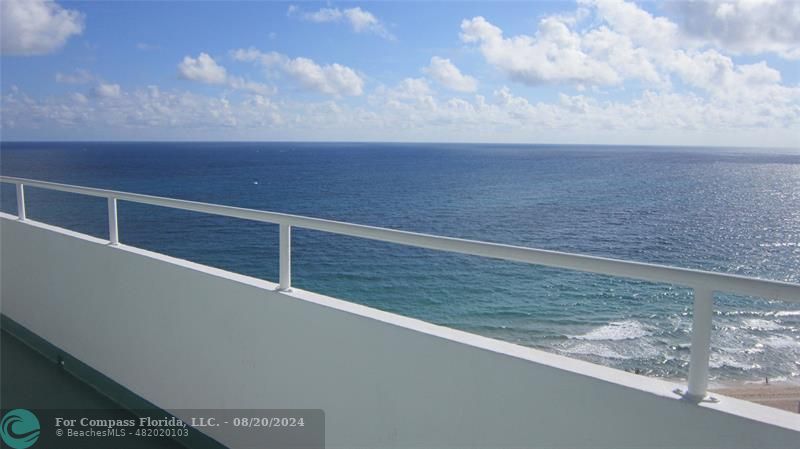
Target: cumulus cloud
449, 76
719, 76
147, 110
671, 118
414, 91
743, 26
553, 54
360, 21
622, 42
640, 26
624, 46
332, 79
79, 76
36, 27
203, 69
239, 83
680, 88
103, 90
664, 47
79, 98
324, 15
735, 26
412, 110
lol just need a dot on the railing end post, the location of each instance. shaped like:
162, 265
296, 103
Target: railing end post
700, 350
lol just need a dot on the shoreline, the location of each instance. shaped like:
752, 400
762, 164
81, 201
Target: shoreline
779, 393
784, 396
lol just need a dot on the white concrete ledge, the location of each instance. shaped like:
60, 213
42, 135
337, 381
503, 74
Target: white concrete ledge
184, 335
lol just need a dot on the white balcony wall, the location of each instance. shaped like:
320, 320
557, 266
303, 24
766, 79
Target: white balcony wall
184, 336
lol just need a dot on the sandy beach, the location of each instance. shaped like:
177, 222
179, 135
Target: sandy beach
780, 395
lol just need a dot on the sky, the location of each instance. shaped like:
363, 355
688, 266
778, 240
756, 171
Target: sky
717, 72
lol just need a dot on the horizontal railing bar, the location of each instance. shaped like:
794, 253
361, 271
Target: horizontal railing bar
721, 282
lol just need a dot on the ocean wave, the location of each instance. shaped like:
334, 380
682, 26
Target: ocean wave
595, 350
781, 342
730, 361
761, 325
757, 313
616, 330
616, 350
745, 348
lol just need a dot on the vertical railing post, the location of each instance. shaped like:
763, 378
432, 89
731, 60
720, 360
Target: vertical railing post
285, 249
21, 202
701, 343
113, 230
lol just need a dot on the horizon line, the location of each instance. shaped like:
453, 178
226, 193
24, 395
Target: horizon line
796, 148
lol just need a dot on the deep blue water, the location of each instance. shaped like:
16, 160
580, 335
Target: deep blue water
734, 210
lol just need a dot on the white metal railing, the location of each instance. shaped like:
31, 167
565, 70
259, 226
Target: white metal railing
704, 283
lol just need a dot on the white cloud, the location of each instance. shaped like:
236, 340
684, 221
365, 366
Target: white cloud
364, 21
79, 98
743, 26
203, 69
669, 118
448, 75
554, 54
416, 91
332, 79
79, 76
107, 90
640, 26
717, 74
623, 56
665, 48
678, 89
324, 15
240, 83
360, 21
622, 42
255, 55
36, 27
412, 110
142, 112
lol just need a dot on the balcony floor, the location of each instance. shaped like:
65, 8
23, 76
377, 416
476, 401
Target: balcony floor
30, 380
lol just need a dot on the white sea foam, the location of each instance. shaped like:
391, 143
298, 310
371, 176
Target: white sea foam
721, 360
620, 350
761, 325
617, 330
599, 350
788, 313
782, 342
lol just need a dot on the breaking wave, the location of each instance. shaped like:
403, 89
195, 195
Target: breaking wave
761, 325
616, 330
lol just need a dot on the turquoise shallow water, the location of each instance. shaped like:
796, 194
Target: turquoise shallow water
728, 210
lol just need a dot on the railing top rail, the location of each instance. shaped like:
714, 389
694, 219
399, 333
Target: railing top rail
687, 277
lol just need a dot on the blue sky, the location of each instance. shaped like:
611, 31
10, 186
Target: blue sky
593, 71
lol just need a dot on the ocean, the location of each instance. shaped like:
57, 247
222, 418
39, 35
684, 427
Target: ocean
727, 210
